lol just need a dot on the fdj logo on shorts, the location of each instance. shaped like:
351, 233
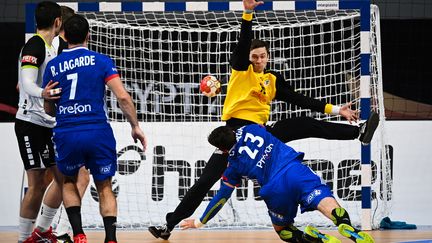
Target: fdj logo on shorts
74, 109
105, 169
312, 195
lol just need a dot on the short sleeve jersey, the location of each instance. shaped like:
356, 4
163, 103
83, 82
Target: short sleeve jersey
82, 75
36, 53
257, 155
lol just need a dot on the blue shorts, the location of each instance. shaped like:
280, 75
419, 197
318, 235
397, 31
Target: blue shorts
94, 149
295, 185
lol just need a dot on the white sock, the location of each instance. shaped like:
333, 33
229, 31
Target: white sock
45, 217
25, 228
63, 226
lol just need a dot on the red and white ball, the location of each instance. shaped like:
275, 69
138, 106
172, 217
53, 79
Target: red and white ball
210, 86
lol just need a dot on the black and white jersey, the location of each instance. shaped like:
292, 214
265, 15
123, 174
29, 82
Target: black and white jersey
36, 53
59, 44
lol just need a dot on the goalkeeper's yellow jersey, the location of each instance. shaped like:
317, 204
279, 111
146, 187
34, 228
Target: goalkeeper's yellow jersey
249, 95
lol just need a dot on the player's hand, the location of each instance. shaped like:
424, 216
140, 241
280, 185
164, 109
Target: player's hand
251, 4
187, 224
350, 115
51, 93
138, 134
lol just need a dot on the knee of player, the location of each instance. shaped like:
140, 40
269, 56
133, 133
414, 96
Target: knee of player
38, 189
83, 179
340, 216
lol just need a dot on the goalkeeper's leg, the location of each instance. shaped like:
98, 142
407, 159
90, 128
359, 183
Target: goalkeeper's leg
211, 174
194, 196
305, 127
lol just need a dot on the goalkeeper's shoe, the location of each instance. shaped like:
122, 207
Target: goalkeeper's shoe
312, 234
367, 129
64, 238
160, 231
354, 234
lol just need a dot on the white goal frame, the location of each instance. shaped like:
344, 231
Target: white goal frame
365, 24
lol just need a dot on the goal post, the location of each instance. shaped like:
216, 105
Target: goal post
325, 49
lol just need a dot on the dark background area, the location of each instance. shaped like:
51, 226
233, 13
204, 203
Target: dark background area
406, 53
10, 47
405, 41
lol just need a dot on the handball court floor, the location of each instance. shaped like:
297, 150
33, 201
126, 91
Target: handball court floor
421, 235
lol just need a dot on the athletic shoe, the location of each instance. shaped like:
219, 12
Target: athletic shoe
80, 238
64, 238
160, 231
368, 128
354, 234
312, 234
38, 236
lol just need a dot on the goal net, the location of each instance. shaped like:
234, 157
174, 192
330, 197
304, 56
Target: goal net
162, 56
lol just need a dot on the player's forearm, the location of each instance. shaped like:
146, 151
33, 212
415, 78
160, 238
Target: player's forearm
49, 108
332, 109
128, 109
287, 94
216, 203
313, 104
28, 77
246, 28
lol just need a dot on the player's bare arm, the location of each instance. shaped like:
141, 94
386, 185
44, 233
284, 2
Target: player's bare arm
193, 223
128, 109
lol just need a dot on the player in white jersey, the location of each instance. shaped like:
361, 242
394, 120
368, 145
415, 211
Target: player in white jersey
33, 128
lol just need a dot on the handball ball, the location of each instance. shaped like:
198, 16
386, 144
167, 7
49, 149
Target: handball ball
210, 86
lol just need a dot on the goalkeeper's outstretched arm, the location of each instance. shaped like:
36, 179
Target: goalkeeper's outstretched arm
285, 92
213, 207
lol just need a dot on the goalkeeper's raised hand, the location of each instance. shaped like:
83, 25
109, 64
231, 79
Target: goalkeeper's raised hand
251, 4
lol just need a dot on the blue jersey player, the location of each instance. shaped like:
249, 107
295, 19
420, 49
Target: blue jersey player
285, 184
82, 135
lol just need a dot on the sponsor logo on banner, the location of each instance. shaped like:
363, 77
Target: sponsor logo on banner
322, 5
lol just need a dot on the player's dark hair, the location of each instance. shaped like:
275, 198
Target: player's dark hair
76, 29
258, 44
66, 13
46, 13
222, 138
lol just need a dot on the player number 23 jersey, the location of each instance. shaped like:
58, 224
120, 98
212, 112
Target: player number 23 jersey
257, 155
